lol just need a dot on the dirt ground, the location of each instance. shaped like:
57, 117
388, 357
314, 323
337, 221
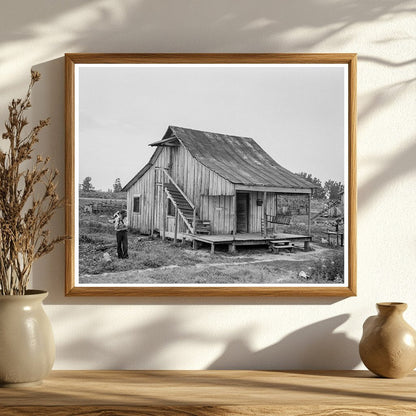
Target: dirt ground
152, 261
259, 268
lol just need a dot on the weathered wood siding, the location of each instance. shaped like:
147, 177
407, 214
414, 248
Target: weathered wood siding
149, 188
218, 210
212, 195
256, 211
272, 208
194, 179
144, 190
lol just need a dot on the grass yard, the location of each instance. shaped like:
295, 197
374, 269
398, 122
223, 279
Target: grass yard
152, 261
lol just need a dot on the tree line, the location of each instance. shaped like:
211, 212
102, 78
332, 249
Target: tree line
87, 186
329, 190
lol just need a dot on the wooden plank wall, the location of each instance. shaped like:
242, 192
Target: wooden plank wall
145, 187
193, 178
211, 194
256, 212
218, 210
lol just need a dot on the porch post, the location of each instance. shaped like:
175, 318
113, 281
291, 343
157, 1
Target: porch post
234, 211
175, 236
194, 243
163, 207
264, 214
309, 214
152, 219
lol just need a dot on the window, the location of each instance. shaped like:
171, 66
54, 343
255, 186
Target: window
171, 208
136, 204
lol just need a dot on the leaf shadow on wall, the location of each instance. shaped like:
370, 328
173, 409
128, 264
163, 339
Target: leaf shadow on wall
152, 344
316, 346
146, 345
393, 169
132, 26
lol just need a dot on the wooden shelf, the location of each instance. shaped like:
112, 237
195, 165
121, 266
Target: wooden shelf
203, 393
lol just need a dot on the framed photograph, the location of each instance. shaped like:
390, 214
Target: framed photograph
211, 174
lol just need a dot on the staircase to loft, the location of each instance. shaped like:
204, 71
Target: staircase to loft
186, 209
330, 205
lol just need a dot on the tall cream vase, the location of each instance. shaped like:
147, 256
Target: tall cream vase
27, 347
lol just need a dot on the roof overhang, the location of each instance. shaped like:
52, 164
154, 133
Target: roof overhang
275, 189
169, 141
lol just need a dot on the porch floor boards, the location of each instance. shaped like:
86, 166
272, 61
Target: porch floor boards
247, 239
255, 237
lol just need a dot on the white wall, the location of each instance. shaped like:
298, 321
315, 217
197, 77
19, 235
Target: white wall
194, 333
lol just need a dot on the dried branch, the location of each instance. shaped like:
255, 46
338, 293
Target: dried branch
23, 218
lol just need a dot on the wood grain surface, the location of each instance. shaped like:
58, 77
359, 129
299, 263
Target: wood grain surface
71, 59
201, 393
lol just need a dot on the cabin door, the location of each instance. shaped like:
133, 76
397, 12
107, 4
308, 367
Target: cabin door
242, 212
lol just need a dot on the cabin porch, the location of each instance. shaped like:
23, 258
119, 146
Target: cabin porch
249, 239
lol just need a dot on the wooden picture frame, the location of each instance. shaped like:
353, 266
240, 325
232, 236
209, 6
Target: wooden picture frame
256, 192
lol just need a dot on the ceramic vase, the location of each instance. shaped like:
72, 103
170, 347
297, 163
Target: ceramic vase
27, 347
388, 345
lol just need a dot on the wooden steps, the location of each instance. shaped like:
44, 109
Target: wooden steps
276, 246
186, 210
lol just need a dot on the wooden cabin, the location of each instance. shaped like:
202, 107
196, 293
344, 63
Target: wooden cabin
197, 182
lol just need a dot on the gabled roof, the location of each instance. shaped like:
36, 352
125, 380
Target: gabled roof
240, 160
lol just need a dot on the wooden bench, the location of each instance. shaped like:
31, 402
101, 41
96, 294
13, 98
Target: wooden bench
276, 246
339, 237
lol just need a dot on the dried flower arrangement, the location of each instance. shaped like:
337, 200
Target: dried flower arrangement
28, 199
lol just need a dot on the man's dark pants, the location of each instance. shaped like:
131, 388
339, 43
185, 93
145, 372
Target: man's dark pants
122, 244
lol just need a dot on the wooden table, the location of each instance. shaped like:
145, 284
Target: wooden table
339, 236
253, 393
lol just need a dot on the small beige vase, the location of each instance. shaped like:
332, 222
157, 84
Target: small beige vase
27, 347
388, 344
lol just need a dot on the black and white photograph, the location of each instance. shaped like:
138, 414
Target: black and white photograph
211, 175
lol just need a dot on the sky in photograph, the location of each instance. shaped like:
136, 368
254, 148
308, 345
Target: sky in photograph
296, 114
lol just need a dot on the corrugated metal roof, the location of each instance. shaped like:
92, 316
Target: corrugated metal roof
240, 160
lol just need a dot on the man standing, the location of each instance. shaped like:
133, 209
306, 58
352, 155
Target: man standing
120, 225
